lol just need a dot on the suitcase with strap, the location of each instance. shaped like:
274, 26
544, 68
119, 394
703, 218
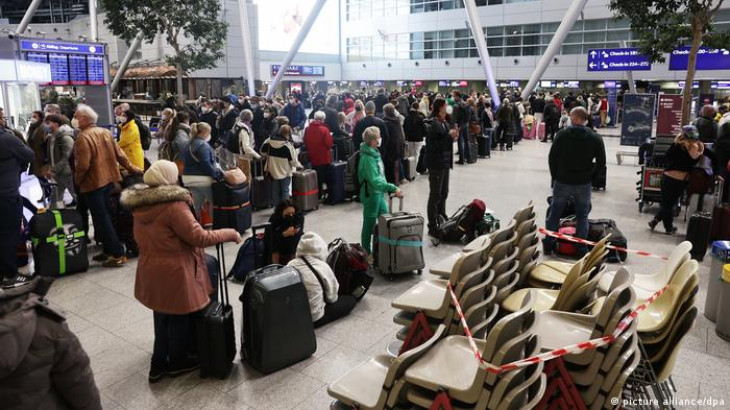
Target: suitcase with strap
398, 244
231, 206
305, 190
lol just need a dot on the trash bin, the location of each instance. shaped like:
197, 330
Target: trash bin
720, 257
722, 325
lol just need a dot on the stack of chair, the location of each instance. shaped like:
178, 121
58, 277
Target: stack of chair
597, 372
450, 371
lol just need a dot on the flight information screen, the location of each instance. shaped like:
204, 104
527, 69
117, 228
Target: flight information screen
77, 69
71, 63
59, 69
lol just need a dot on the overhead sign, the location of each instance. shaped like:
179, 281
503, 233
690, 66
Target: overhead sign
25, 71
707, 59
638, 119
669, 116
617, 59
61, 47
571, 84
723, 85
547, 84
299, 70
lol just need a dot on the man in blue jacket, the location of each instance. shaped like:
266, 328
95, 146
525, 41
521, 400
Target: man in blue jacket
295, 112
14, 159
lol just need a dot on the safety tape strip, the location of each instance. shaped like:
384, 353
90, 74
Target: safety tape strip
544, 357
394, 242
586, 242
231, 208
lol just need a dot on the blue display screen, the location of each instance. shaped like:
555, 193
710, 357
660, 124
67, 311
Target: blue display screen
300, 70
59, 69
77, 69
617, 59
707, 59
95, 70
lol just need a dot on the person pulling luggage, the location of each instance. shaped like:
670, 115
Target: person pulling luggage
373, 185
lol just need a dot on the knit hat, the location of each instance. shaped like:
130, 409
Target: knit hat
311, 244
161, 173
690, 131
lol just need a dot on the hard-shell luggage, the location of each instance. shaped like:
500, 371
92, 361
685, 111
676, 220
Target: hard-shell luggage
473, 152
601, 228
721, 223
349, 262
398, 244
345, 148
216, 333
563, 247
336, 192
484, 144
529, 133
698, 233
59, 242
252, 254
540, 132
231, 206
599, 178
277, 329
409, 164
421, 166
305, 190
596, 119
261, 186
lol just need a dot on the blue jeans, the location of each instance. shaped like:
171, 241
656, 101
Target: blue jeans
562, 193
280, 190
463, 142
97, 202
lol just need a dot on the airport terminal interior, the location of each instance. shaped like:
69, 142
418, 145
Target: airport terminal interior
463, 312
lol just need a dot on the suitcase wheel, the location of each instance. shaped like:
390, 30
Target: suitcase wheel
420, 271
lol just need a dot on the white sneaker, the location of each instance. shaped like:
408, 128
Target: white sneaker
404, 181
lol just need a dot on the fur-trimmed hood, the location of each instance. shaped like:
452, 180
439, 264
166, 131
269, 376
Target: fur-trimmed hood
142, 195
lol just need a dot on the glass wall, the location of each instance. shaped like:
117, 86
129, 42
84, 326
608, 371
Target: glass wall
367, 9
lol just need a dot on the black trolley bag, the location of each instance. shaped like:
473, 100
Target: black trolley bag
231, 206
277, 329
260, 185
699, 230
336, 188
215, 330
59, 241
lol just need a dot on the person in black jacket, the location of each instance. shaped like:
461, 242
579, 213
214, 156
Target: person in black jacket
505, 117
460, 118
228, 116
706, 125
340, 136
370, 120
551, 114
391, 149
210, 117
257, 123
287, 227
439, 160
380, 100
574, 157
414, 129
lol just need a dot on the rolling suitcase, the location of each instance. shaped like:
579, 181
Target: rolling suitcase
540, 133
421, 166
398, 244
698, 233
473, 152
410, 167
261, 186
277, 329
305, 190
599, 179
215, 331
336, 192
59, 242
484, 144
231, 206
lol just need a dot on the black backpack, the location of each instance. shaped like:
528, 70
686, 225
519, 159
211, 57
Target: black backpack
145, 137
231, 142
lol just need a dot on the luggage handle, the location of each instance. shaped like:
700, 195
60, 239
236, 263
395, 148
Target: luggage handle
222, 280
390, 202
254, 228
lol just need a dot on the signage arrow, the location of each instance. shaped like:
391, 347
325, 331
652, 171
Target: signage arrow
593, 54
592, 64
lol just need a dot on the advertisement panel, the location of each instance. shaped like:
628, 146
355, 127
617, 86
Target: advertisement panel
669, 115
638, 119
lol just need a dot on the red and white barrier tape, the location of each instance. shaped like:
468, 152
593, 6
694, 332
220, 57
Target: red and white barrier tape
571, 349
585, 242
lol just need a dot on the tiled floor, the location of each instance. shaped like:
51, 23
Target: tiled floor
116, 330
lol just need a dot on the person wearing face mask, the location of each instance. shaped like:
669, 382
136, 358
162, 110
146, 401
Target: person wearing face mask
373, 185
287, 227
257, 123
270, 126
165, 120
295, 112
367, 122
37, 139
210, 117
60, 146
129, 140
199, 166
245, 141
228, 117
439, 161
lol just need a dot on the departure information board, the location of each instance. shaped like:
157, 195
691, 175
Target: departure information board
71, 63
77, 69
59, 69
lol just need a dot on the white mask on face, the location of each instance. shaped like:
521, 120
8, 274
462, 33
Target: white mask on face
206, 139
121, 119
266, 115
380, 142
449, 109
205, 110
75, 123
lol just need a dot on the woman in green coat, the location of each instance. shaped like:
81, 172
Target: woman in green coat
373, 186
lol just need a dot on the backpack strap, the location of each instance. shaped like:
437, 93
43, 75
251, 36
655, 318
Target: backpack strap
319, 279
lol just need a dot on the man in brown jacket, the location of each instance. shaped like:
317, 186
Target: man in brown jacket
42, 363
96, 156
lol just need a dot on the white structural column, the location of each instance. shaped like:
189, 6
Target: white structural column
247, 48
476, 30
127, 58
308, 23
629, 74
571, 16
93, 20
27, 17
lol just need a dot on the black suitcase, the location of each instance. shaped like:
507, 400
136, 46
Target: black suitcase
421, 166
484, 144
215, 331
261, 186
599, 178
409, 165
473, 151
277, 329
336, 192
231, 206
599, 229
698, 232
59, 243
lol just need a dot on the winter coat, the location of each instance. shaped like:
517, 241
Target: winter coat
172, 276
60, 146
282, 157
368, 121
211, 118
131, 143
296, 115
380, 100
96, 156
14, 159
246, 142
414, 127
179, 141
42, 363
37, 142
505, 114
314, 249
226, 121
333, 124
318, 141
707, 128
439, 145
199, 159
392, 147
371, 175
